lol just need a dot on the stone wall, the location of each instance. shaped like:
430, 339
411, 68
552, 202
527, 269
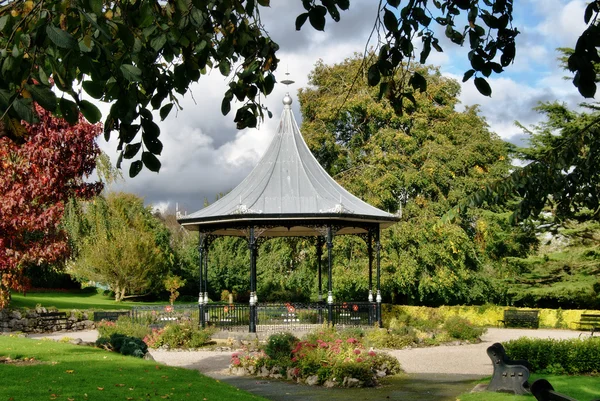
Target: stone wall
41, 320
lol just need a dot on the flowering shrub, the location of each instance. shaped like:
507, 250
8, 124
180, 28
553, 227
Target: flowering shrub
123, 325
324, 357
180, 335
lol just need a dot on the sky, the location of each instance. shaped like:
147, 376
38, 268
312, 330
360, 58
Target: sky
204, 154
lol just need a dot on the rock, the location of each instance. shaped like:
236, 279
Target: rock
350, 382
312, 380
148, 357
264, 372
479, 388
276, 375
238, 371
291, 373
16, 315
76, 341
330, 384
380, 373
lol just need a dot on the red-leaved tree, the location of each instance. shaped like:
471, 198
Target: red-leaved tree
37, 178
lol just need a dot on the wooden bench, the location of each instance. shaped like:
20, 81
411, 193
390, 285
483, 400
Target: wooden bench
589, 320
521, 318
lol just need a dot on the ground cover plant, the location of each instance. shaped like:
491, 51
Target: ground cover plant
578, 387
64, 372
325, 357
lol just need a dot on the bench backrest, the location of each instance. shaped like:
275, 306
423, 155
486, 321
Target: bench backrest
515, 314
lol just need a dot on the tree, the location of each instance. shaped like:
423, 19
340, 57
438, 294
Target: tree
139, 55
37, 179
422, 164
122, 245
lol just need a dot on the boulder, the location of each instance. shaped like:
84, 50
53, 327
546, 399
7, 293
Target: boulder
312, 380
330, 384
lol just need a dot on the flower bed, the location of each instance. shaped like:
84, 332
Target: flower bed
326, 358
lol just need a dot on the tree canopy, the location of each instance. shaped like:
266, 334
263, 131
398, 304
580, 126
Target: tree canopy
139, 55
422, 164
37, 179
119, 244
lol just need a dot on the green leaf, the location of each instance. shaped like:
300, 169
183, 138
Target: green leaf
316, 17
483, 87
343, 4
264, 3
24, 109
44, 96
61, 38
390, 21
165, 110
418, 82
131, 150
158, 42
224, 67
225, 106
468, 75
300, 20
150, 129
90, 111
373, 75
154, 145
43, 76
394, 3
151, 161
131, 73
96, 6
94, 88
69, 110
135, 168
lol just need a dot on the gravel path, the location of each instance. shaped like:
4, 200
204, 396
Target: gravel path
470, 360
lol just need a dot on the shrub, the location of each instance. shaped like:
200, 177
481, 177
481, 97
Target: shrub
123, 344
280, 345
326, 354
549, 356
123, 325
181, 335
461, 329
393, 338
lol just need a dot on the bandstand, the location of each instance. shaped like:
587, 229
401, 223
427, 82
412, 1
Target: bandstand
288, 194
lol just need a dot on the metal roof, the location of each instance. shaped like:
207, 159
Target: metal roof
286, 191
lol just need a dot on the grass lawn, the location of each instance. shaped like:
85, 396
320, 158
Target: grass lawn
73, 300
69, 372
583, 388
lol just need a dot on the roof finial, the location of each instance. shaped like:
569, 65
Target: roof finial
287, 99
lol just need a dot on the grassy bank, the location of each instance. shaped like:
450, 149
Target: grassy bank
67, 372
73, 300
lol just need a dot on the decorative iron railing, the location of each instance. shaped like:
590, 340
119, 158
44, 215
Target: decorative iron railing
270, 317
158, 315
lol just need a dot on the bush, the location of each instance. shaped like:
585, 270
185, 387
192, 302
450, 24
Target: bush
181, 335
393, 338
280, 345
548, 356
326, 355
123, 344
461, 329
124, 325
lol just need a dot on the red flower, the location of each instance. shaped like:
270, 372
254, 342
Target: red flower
358, 359
372, 353
357, 351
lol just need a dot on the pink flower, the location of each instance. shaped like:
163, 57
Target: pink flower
323, 345
357, 351
236, 362
294, 359
351, 340
359, 359
372, 353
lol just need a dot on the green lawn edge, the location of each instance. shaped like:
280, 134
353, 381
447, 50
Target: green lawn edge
81, 300
582, 388
68, 372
